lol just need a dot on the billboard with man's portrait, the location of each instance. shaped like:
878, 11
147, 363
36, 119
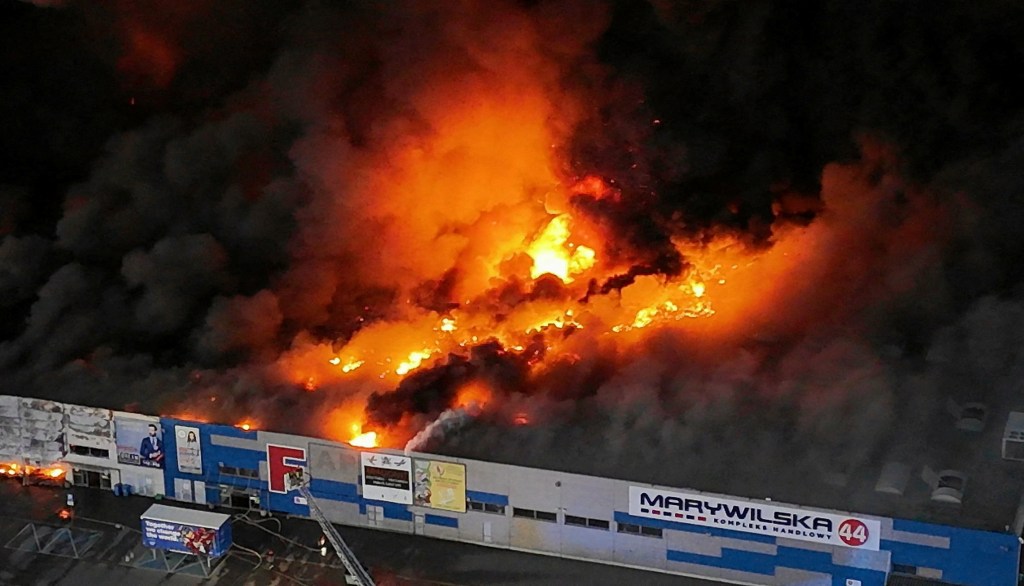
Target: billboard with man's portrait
140, 441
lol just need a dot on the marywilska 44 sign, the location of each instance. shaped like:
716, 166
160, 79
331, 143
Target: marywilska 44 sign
754, 517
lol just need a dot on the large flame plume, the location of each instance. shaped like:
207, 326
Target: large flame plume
468, 237
488, 243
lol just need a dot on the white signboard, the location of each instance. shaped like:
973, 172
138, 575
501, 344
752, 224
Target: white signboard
754, 517
190, 453
387, 478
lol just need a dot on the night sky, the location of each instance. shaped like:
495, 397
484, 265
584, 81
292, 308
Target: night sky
180, 181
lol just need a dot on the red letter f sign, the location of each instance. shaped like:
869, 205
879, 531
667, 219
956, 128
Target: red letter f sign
280, 461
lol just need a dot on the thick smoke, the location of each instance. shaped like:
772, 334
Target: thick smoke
200, 202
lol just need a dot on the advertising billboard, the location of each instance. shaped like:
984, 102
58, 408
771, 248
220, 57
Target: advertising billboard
387, 478
186, 531
754, 517
189, 452
140, 441
439, 485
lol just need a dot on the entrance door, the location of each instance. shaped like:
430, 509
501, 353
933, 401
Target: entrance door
487, 531
90, 478
418, 524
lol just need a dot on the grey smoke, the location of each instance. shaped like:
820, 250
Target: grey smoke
446, 423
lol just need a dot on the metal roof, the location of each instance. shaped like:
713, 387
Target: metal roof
190, 517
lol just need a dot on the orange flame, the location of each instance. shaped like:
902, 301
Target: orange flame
365, 440
246, 425
492, 252
14, 469
552, 253
414, 361
473, 397
346, 424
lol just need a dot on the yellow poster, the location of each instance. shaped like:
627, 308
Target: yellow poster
440, 485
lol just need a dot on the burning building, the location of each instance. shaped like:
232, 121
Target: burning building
590, 239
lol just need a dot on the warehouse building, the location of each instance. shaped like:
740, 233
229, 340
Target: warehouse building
667, 529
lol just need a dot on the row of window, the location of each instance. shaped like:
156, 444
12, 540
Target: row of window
599, 524
88, 451
238, 471
585, 522
538, 515
486, 507
640, 530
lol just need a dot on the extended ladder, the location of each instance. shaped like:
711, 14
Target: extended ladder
355, 573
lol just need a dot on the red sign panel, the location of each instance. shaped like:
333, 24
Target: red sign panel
280, 461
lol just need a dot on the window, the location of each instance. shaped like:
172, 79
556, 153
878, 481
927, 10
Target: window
239, 472
904, 569
88, 451
486, 507
538, 515
639, 530
585, 522
236, 497
629, 528
546, 516
650, 531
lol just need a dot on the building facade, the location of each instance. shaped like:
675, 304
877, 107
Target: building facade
603, 520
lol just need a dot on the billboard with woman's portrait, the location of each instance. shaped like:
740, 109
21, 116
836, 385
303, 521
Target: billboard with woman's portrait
188, 449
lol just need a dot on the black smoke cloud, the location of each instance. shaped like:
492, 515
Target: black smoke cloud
163, 242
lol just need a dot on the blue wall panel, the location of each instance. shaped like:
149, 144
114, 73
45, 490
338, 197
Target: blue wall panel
333, 490
212, 455
489, 498
732, 559
441, 520
976, 558
786, 557
820, 561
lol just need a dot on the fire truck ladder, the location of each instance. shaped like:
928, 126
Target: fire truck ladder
355, 573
